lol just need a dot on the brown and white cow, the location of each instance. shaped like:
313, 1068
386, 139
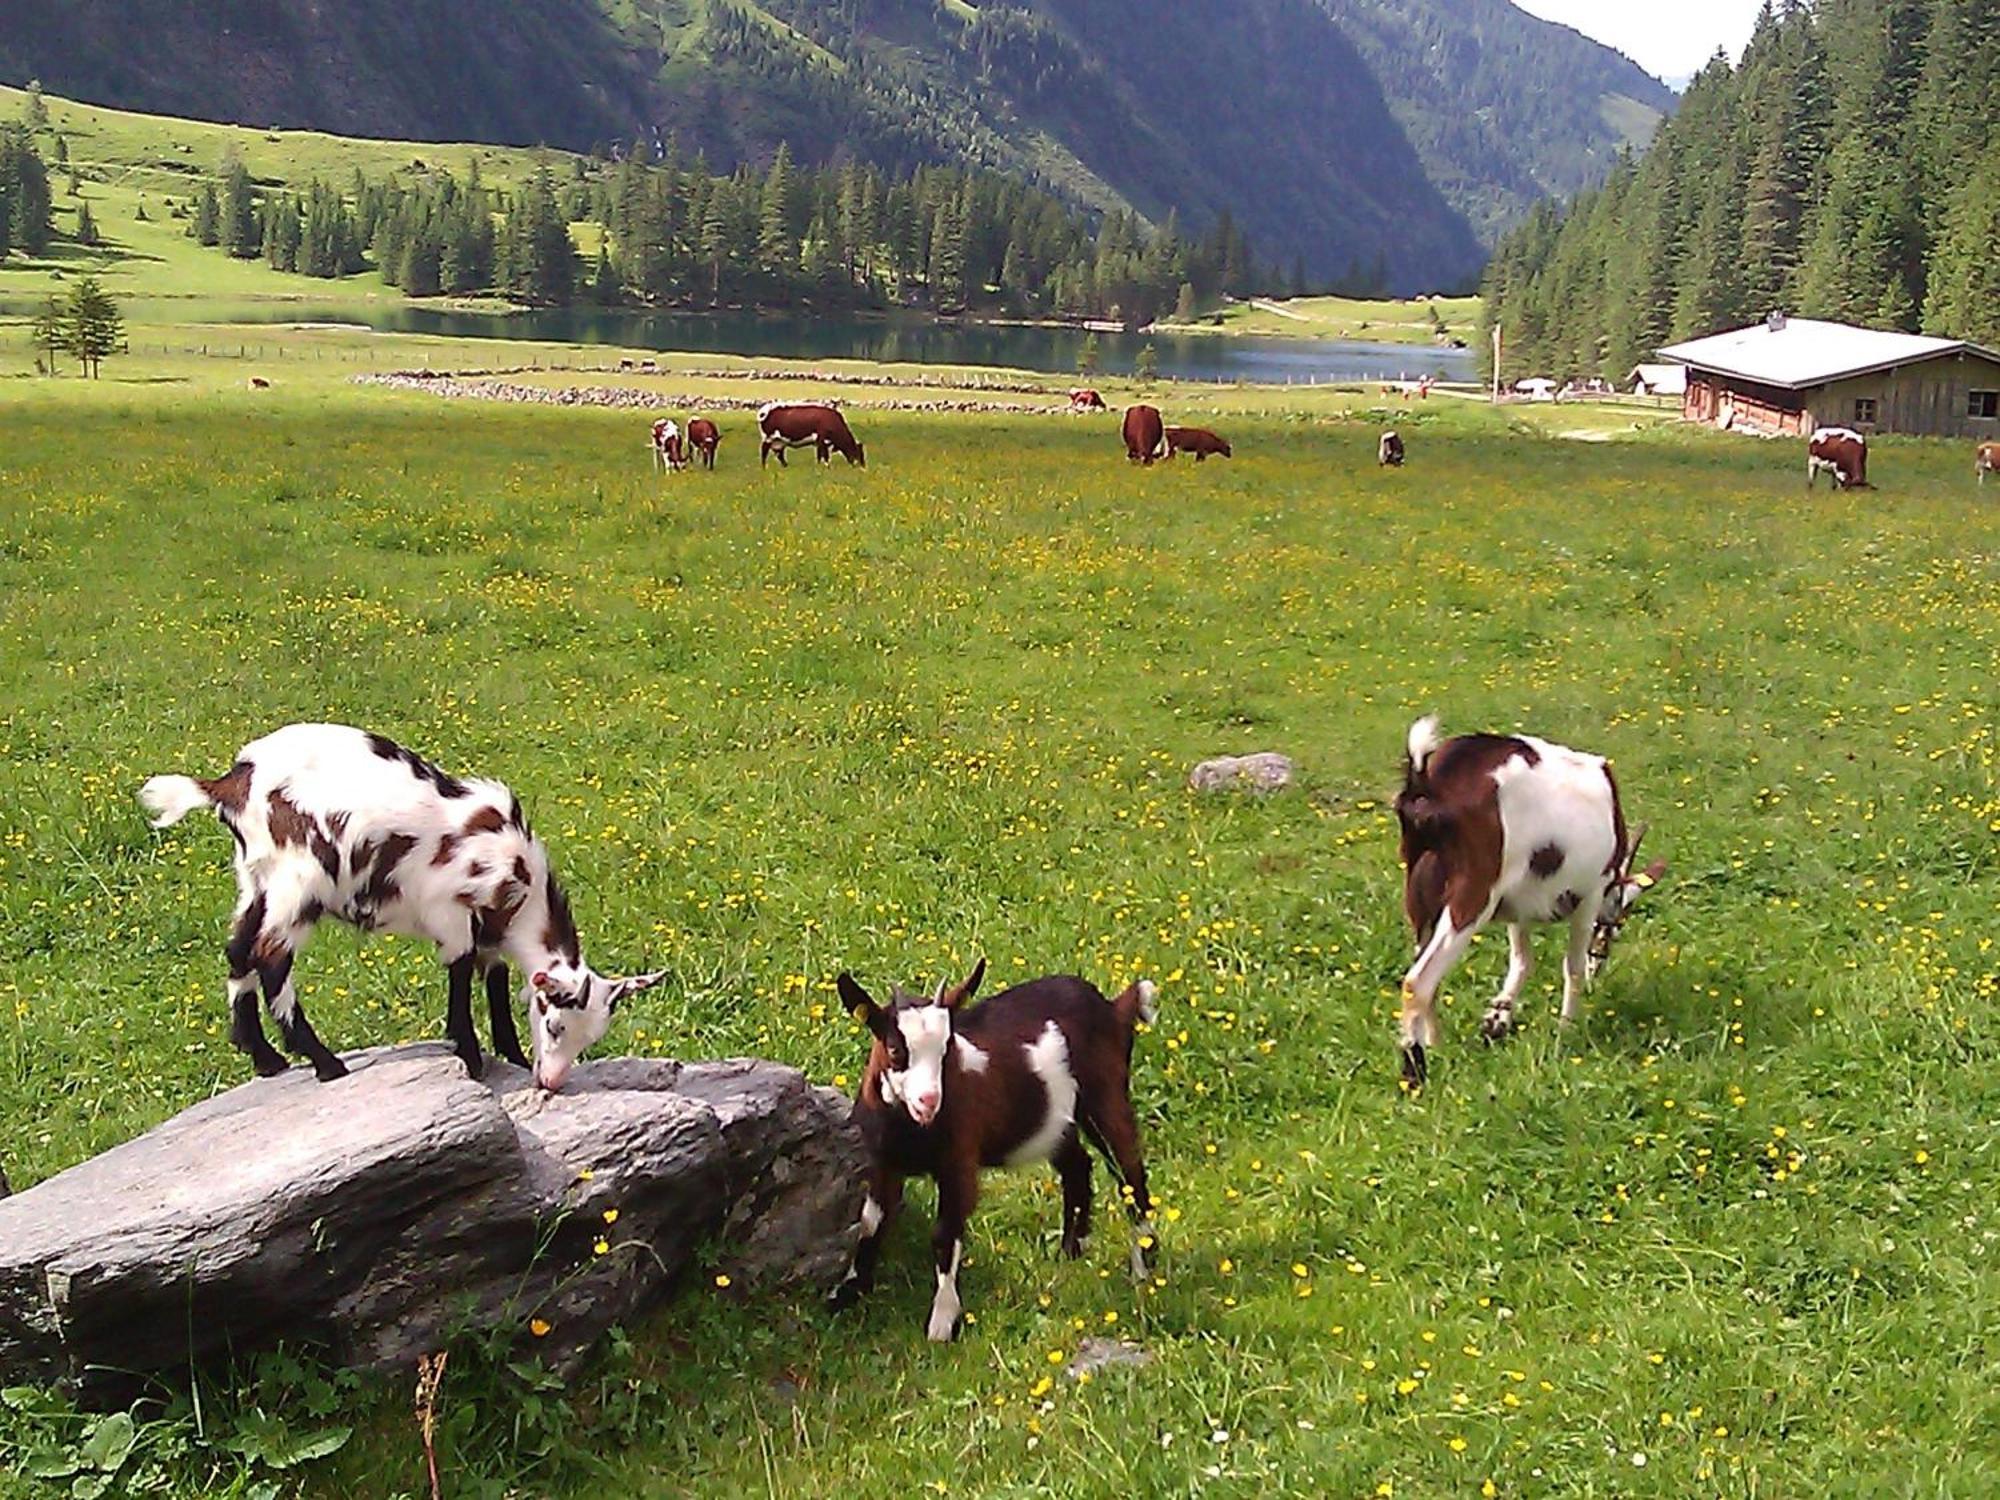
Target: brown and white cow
784, 425
667, 451
1841, 452
1986, 461
1145, 434
1085, 400
1515, 828
1196, 440
703, 436
1389, 452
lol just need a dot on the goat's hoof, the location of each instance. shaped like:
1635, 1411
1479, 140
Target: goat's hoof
331, 1069
270, 1066
1416, 1070
1498, 1025
844, 1296
1072, 1248
516, 1058
939, 1333
475, 1065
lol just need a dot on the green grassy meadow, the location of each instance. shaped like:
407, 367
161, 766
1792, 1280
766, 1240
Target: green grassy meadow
1730, 1235
1379, 320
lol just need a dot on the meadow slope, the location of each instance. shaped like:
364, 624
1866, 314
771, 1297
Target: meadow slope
1731, 1234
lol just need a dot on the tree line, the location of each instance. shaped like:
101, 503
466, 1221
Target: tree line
667, 232
26, 203
1848, 168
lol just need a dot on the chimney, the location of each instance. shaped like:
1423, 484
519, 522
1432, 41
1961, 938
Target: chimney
1775, 320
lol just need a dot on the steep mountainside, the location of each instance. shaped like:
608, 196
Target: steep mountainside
1271, 110
1505, 109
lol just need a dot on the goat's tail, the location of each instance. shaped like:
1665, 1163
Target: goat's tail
1135, 1003
1420, 745
171, 798
1414, 808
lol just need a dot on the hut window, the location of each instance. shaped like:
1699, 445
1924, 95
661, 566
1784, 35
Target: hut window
1864, 409
1983, 404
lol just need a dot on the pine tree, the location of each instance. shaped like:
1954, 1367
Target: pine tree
26, 207
1147, 366
777, 249
49, 333
207, 226
1964, 300
240, 236
86, 226
92, 325
1087, 356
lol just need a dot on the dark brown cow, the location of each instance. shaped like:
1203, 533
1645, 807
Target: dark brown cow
1085, 400
1841, 452
1145, 434
783, 426
702, 437
1986, 460
1196, 440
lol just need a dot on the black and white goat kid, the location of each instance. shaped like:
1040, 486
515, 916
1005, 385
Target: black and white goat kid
1027, 1076
332, 821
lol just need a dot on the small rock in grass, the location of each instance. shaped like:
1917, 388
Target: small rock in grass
1266, 771
1095, 1354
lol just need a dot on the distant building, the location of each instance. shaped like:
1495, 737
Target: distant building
1535, 388
1790, 375
1659, 380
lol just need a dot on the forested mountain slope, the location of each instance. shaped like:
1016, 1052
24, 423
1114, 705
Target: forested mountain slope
1295, 116
1849, 168
1505, 109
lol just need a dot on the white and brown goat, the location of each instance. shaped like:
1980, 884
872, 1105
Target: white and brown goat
1514, 828
1025, 1077
334, 822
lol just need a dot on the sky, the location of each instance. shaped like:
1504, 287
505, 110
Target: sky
1668, 38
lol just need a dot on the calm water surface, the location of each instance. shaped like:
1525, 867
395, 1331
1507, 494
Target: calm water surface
907, 340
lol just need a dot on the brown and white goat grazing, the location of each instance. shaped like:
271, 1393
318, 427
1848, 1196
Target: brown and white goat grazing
330, 821
1512, 827
1025, 1077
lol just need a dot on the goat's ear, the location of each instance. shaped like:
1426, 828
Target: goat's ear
1650, 876
620, 988
860, 1004
959, 994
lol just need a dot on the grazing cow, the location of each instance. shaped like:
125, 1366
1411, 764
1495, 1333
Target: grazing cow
1145, 434
1986, 461
703, 436
259, 383
667, 451
783, 426
1389, 452
1841, 452
1085, 400
1516, 828
1196, 440
329, 821
1026, 1077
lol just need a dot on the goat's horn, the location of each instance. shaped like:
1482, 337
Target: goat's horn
1632, 849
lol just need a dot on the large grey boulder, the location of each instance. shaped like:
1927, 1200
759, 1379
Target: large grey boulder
383, 1212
